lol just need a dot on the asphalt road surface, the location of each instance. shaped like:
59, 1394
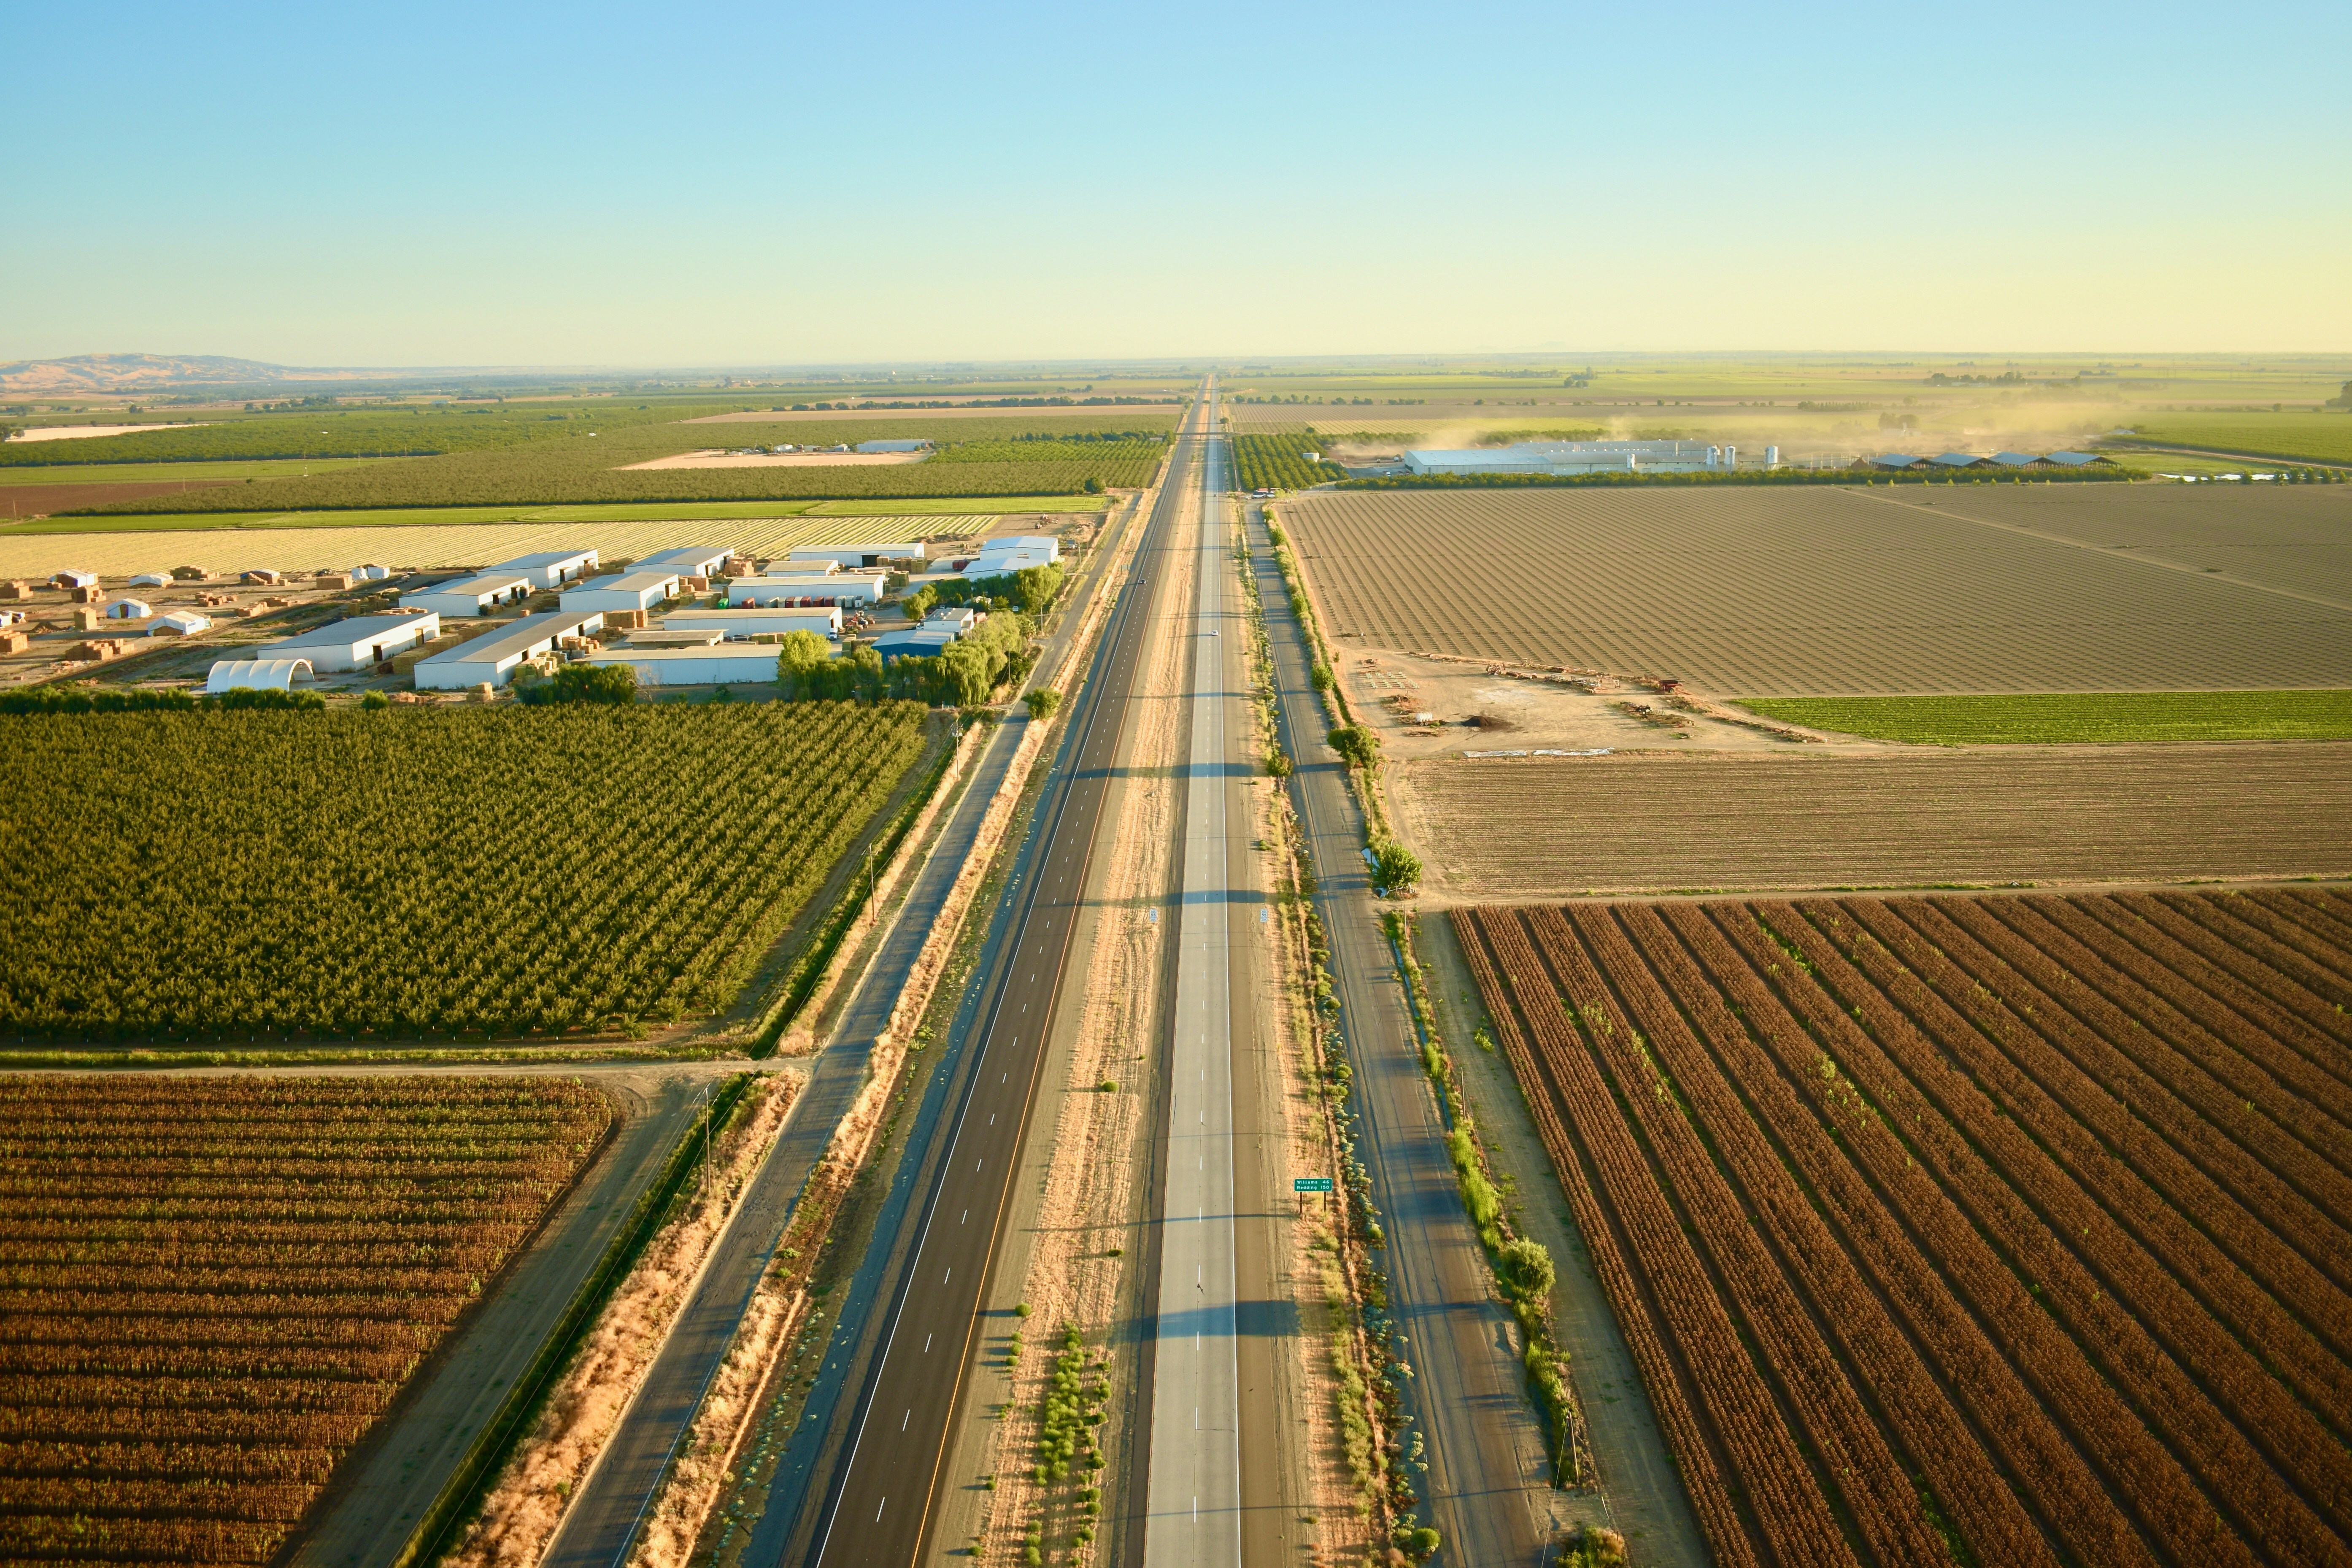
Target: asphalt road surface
1193, 1490
1487, 1489
878, 1500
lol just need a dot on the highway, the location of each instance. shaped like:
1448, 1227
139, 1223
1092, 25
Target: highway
1193, 1512
877, 1503
1488, 1490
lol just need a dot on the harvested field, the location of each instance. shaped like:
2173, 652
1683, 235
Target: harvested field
40, 500
2008, 1219
1647, 822
1821, 591
217, 1285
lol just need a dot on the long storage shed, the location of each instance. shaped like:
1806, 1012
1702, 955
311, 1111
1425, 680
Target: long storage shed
492, 659
747, 621
356, 641
720, 664
475, 595
810, 587
622, 591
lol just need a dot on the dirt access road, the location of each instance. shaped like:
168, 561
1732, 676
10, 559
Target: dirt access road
1488, 1491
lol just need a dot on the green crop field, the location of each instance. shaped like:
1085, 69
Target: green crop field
583, 461
1279, 463
2318, 438
459, 872
2072, 717
632, 511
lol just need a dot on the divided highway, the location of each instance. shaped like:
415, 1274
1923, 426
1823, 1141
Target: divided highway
878, 1502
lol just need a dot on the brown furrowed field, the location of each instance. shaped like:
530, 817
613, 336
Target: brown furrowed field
214, 1287
2003, 1228
1644, 822
1821, 591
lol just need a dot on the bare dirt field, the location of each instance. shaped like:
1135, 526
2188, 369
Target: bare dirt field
720, 459
83, 432
40, 500
876, 411
1656, 822
1829, 591
2010, 1221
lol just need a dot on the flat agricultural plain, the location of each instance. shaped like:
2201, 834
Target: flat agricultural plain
1999, 1230
431, 872
215, 1286
1806, 591
1646, 822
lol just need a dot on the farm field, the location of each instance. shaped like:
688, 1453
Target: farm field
586, 457
1278, 463
215, 1286
1820, 591
2074, 717
459, 873
1998, 1229
122, 554
2324, 438
1649, 822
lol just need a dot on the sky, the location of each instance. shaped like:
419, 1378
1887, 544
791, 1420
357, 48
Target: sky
717, 185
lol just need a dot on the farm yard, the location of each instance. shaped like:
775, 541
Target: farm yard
215, 1286
1649, 822
1828, 591
2003, 1230
467, 873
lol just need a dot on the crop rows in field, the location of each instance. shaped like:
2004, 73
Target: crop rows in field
2072, 717
2324, 437
210, 1288
2018, 1217
1547, 827
119, 555
1800, 592
1279, 463
585, 467
412, 873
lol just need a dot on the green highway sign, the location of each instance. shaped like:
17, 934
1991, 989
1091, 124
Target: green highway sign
1311, 1184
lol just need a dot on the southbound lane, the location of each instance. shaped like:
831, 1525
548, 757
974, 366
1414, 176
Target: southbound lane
878, 1503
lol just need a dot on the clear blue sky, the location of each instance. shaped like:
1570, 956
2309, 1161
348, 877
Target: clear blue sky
486, 184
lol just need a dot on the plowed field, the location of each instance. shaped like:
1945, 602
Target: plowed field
1553, 828
1821, 591
211, 1288
2010, 1224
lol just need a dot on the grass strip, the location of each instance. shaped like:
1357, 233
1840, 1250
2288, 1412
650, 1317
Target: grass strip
2063, 718
462, 1494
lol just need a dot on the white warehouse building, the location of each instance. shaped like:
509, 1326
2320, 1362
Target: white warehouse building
475, 595
550, 568
356, 641
1577, 458
749, 622
860, 554
718, 664
622, 592
492, 658
821, 588
688, 561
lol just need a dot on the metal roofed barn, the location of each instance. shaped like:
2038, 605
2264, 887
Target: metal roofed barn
838, 588
357, 641
866, 554
550, 568
722, 664
260, 674
622, 591
687, 561
492, 658
471, 596
178, 624
751, 621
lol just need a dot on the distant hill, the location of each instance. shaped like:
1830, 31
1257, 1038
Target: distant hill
106, 373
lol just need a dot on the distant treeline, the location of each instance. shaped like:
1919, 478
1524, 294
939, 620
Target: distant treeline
1759, 477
